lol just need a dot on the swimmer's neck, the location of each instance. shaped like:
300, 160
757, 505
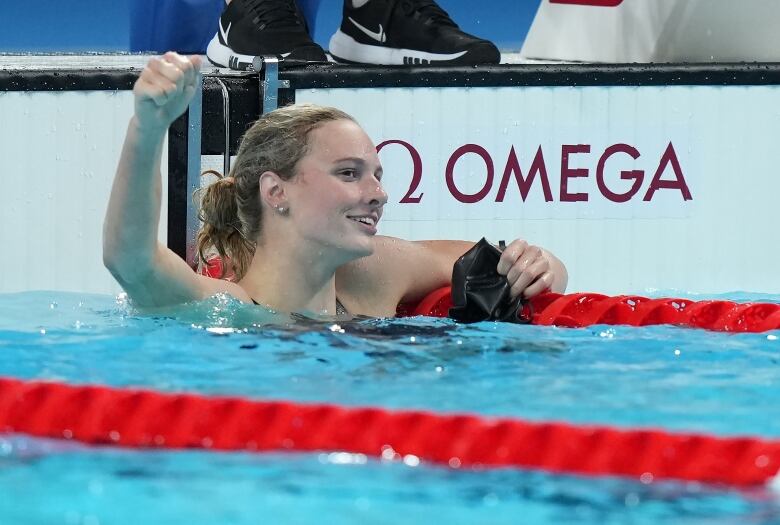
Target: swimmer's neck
294, 279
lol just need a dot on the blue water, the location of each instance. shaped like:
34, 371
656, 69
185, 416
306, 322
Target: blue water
662, 377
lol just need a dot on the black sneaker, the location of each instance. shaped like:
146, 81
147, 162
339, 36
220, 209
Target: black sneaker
249, 28
396, 32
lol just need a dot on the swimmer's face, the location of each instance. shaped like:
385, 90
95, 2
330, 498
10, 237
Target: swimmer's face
337, 196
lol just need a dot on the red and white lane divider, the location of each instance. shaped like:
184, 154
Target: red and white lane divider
585, 309
147, 419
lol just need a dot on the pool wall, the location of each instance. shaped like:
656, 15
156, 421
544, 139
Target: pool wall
59, 149
698, 217
639, 178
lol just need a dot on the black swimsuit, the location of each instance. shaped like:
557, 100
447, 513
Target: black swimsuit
340, 310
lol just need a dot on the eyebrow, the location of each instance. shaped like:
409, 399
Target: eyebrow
357, 160
351, 159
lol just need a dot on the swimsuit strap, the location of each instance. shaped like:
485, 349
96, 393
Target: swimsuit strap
340, 309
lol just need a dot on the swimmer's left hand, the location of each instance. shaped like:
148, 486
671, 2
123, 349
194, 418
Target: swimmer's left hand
526, 268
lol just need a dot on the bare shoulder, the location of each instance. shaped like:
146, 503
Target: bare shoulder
212, 286
398, 271
374, 285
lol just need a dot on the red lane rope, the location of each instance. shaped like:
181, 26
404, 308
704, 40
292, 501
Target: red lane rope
139, 418
584, 309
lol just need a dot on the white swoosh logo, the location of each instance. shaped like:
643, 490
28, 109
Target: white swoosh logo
379, 37
224, 32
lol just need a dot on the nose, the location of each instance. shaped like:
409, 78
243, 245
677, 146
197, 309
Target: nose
376, 193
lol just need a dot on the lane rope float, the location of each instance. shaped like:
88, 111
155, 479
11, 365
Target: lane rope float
148, 419
584, 309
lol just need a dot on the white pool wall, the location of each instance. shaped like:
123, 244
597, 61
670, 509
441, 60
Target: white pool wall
723, 239
60, 151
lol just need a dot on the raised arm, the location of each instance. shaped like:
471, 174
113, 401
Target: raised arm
150, 273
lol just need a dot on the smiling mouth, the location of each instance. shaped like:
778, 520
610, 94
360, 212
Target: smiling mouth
364, 219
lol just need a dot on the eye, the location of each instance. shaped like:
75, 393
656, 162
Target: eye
349, 173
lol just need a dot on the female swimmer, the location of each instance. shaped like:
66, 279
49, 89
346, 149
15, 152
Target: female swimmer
297, 218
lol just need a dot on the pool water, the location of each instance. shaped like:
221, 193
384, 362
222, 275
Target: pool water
659, 377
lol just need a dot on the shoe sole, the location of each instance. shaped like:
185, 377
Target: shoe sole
222, 56
344, 48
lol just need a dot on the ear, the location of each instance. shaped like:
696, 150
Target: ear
272, 190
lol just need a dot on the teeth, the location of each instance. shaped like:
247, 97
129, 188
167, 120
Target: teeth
364, 220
